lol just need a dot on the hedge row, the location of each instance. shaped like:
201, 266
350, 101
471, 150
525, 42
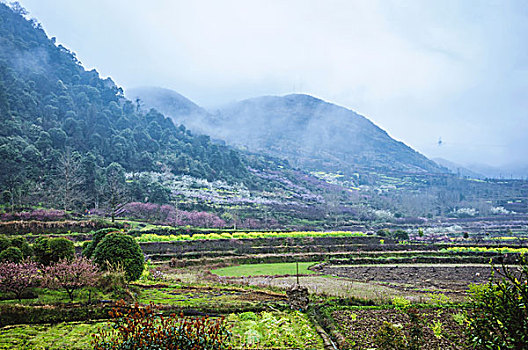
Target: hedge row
11, 314
23, 314
416, 260
245, 246
40, 227
497, 250
346, 252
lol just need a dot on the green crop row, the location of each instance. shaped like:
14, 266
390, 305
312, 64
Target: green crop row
245, 235
500, 250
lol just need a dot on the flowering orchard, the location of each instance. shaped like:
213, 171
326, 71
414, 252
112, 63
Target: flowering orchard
169, 215
69, 275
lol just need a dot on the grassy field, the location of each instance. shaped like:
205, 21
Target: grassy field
265, 269
72, 335
219, 298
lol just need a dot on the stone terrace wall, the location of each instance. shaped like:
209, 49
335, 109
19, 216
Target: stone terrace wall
262, 245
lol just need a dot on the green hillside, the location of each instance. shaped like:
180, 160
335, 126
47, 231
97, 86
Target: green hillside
62, 126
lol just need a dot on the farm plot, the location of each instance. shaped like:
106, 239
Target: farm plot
336, 287
276, 276
273, 330
66, 335
444, 277
431, 328
212, 299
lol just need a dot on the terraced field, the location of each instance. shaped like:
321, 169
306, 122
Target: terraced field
356, 283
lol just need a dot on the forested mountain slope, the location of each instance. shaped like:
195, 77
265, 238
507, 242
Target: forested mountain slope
62, 126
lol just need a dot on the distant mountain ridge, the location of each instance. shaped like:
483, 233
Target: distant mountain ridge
169, 102
459, 169
309, 132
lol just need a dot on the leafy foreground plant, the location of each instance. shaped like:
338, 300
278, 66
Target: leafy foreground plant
392, 337
500, 318
277, 330
139, 328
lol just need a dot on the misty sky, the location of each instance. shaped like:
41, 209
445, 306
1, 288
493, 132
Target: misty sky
419, 69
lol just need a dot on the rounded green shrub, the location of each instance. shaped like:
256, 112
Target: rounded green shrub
41, 250
18, 242
384, 232
61, 248
120, 249
50, 250
400, 234
5, 242
97, 237
22, 244
11, 254
87, 249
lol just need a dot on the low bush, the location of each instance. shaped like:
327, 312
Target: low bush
51, 250
500, 316
12, 254
113, 278
391, 337
394, 337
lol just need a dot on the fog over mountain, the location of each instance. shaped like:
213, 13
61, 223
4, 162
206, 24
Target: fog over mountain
459, 169
181, 109
309, 132
509, 171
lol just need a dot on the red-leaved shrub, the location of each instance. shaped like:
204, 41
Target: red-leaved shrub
139, 327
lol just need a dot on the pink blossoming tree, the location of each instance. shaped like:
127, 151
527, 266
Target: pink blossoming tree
16, 278
71, 275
